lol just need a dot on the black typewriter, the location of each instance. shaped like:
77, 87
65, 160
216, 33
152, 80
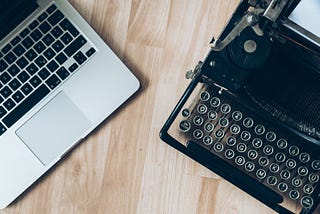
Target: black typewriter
252, 110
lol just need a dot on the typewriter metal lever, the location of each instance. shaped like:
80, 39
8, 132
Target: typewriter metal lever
250, 19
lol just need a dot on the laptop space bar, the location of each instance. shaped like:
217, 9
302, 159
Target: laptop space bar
26, 105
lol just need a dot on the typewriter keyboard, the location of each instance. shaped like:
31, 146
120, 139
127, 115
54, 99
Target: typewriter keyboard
219, 124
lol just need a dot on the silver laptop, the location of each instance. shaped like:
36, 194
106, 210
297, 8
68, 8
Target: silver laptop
58, 81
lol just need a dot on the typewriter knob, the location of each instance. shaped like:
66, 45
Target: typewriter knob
248, 50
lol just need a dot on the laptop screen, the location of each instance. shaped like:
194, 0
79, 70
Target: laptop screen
12, 12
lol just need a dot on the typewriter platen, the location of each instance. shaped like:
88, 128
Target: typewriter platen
252, 110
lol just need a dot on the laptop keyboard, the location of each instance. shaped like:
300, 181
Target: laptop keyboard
229, 131
36, 61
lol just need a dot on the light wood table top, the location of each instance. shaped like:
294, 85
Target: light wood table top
124, 167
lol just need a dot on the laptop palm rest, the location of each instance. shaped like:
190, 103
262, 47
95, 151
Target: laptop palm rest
53, 129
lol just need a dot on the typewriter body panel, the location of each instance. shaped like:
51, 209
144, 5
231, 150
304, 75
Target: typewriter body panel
252, 110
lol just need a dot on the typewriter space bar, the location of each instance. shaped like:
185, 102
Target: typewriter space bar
26, 105
235, 176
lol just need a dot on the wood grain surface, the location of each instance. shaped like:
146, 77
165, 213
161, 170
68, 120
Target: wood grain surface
124, 167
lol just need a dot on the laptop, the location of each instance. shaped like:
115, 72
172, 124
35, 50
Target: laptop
251, 113
58, 81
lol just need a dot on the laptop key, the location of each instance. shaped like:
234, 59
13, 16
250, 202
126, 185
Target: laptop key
45, 27
31, 55
56, 32
35, 81
15, 41
2, 129
10, 58
9, 104
19, 50
90, 52
39, 47
36, 35
63, 73
2, 111
5, 77
26, 105
23, 76
61, 58
44, 73
40, 61
22, 62
3, 65
32, 69
42, 17
13, 70
48, 39
80, 57
51, 8
27, 42
26, 89
58, 46
6, 48
66, 38
14, 84
33, 24
66, 25
6, 92
52, 66
73, 67
24, 33
18, 96
53, 82
55, 18
49, 53
75, 46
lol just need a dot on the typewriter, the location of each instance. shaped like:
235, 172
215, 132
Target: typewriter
251, 112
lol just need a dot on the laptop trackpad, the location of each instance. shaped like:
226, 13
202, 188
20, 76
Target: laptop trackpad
52, 130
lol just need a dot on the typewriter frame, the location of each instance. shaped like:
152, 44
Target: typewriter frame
205, 158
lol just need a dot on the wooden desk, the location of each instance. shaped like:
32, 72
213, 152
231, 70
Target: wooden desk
123, 167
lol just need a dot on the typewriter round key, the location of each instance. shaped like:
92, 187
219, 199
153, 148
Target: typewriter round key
245, 136
204, 96
235, 129
282, 144
184, 126
225, 108
237, 116
268, 150
257, 143
239, 160
212, 115
231, 141
207, 140
252, 154
293, 150
202, 109
306, 201
274, 167
296, 182
259, 129
197, 134
229, 154
208, 127
249, 166
308, 189
302, 171
304, 157
315, 165
282, 187
241, 147
215, 102
313, 178
271, 136
280, 157
198, 121
294, 194
219, 134
223, 122
263, 161
218, 147
261, 173
272, 180
290, 163
285, 174
185, 112
248, 122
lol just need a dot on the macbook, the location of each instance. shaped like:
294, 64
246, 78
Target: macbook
58, 81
